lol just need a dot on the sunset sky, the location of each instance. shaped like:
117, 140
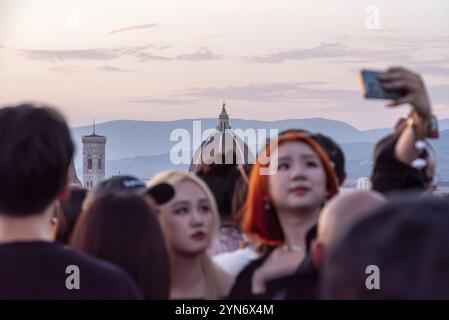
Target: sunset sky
175, 59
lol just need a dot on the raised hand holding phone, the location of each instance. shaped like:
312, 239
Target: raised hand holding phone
398, 78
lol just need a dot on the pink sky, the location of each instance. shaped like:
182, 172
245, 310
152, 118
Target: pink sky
165, 60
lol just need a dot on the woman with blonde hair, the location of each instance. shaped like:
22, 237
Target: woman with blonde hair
190, 222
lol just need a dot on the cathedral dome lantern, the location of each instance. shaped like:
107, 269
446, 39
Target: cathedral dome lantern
223, 120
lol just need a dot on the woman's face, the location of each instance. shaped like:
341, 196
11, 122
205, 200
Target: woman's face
300, 180
187, 220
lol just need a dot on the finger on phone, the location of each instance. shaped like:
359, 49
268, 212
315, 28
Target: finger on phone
399, 101
391, 76
396, 84
396, 69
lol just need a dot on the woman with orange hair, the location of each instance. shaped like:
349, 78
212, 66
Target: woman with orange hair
290, 182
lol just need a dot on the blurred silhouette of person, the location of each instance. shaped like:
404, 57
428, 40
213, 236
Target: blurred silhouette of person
34, 165
405, 241
122, 229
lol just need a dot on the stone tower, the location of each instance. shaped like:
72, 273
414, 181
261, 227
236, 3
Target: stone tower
94, 159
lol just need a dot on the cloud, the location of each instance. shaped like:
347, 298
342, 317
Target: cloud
312, 92
112, 69
145, 56
76, 69
324, 50
136, 27
103, 54
201, 55
69, 69
272, 92
210, 36
164, 102
55, 55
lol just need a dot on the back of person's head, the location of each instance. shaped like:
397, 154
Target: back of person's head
159, 194
391, 176
122, 229
398, 252
221, 179
36, 151
71, 208
339, 214
239, 196
344, 210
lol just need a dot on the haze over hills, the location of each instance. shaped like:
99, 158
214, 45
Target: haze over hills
142, 148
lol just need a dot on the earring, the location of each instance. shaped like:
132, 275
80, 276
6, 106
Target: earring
267, 205
54, 220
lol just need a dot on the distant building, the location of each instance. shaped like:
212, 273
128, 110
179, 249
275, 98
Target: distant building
222, 147
73, 178
364, 183
94, 159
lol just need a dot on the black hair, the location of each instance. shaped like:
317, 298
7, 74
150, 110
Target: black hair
121, 228
36, 151
390, 175
221, 180
335, 154
71, 208
332, 149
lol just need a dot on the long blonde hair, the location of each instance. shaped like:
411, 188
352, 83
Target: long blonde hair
210, 269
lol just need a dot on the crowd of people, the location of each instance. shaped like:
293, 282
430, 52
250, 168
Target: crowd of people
226, 231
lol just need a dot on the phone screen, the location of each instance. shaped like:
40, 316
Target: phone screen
372, 87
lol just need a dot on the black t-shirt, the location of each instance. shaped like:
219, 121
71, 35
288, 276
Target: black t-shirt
242, 288
37, 270
302, 285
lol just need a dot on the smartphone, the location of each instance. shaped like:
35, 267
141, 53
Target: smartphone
372, 87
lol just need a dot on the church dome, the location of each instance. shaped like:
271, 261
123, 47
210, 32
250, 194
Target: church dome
221, 147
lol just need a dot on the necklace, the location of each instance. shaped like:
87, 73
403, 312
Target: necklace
293, 248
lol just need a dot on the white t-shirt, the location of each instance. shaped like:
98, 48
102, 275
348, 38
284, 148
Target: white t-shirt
233, 262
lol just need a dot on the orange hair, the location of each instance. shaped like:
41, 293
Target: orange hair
263, 224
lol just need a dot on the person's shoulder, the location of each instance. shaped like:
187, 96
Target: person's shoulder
225, 280
233, 262
55, 265
102, 273
91, 264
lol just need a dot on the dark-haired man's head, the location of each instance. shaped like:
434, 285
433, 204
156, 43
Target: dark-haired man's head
36, 151
398, 252
333, 150
391, 176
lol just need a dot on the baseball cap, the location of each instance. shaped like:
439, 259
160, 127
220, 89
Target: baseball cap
161, 193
